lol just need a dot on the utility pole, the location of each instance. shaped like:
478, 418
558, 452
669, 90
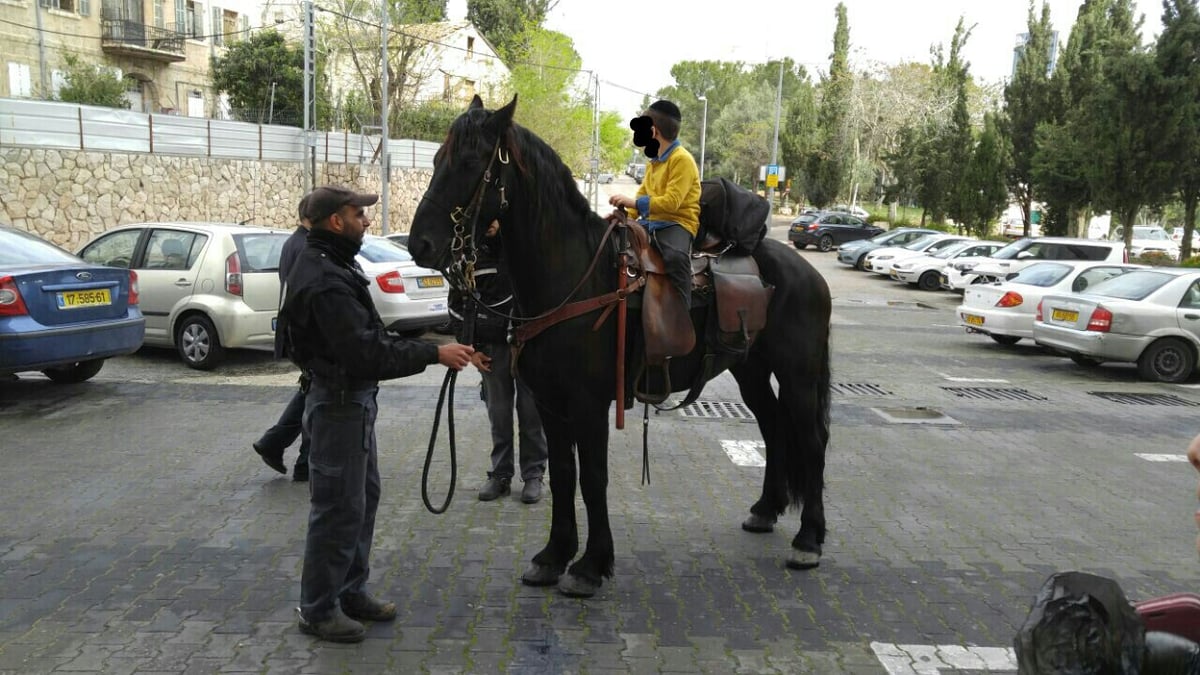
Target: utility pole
385, 160
37, 12
310, 96
775, 143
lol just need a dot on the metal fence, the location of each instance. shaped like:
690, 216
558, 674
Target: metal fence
47, 124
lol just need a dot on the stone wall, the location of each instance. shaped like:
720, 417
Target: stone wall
69, 196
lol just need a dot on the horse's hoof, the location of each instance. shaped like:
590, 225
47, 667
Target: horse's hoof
757, 523
540, 575
803, 560
574, 586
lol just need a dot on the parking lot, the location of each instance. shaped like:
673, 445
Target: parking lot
144, 535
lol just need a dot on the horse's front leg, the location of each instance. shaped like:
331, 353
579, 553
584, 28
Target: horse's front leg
596, 563
549, 563
754, 383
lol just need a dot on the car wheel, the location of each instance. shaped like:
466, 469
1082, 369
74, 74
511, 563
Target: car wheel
930, 281
1167, 360
1005, 339
799, 245
981, 280
198, 344
858, 264
80, 371
1085, 361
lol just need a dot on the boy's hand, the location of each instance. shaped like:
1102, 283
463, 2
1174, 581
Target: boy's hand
482, 361
621, 201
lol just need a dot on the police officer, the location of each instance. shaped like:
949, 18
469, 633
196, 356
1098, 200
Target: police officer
333, 332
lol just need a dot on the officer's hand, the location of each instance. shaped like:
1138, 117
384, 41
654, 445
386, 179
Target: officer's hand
482, 361
455, 355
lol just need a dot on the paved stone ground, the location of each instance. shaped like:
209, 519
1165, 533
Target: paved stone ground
143, 535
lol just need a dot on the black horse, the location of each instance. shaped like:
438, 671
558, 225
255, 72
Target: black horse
490, 168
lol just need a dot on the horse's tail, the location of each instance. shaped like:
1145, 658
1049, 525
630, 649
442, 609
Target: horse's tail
806, 466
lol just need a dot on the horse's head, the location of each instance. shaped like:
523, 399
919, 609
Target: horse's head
467, 190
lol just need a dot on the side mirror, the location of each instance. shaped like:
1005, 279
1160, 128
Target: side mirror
1024, 255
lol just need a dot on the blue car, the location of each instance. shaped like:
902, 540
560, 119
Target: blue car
60, 315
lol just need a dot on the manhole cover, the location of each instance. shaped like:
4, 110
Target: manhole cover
858, 389
717, 410
994, 394
918, 415
1143, 399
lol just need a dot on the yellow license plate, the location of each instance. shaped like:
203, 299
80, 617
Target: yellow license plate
973, 320
76, 299
894, 274
1064, 315
430, 282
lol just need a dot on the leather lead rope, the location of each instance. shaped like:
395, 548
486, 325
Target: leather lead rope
645, 444
447, 392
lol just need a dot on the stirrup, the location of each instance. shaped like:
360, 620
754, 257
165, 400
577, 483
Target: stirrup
648, 397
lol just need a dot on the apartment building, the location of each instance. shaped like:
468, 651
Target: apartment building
160, 47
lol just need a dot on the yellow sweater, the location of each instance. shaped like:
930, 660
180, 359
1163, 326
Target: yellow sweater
671, 189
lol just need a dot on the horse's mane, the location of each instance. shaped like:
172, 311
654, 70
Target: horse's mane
552, 188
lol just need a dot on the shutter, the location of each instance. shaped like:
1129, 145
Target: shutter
180, 16
85, 8
218, 29
57, 81
47, 3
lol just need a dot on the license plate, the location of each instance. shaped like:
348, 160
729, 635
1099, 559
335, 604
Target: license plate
943, 280
430, 282
1064, 315
437, 307
893, 274
973, 320
76, 299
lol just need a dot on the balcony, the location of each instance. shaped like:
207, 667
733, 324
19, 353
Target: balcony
128, 38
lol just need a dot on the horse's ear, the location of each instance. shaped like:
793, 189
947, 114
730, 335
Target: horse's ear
502, 118
476, 102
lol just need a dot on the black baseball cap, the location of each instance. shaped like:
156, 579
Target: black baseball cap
327, 200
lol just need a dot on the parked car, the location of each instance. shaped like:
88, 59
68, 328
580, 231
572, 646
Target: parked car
408, 297
1023, 252
205, 287
1148, 239
925, 271
854, 210
1177, 237
1150, 317
853, 253
62, 316
1004, 310
954, 277
823, 230
880, 260
399, 238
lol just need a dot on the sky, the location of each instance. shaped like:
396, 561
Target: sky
632, 49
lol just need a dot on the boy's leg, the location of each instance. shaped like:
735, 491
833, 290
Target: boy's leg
675, 245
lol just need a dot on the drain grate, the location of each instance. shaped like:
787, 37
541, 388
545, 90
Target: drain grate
994, 394
1143, 399
712, 410
858, 389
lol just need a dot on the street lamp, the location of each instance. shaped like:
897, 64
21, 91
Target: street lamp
703, 129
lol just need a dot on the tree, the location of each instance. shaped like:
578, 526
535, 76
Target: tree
263, 77
551, 106
961, 194
1178, 57
1027, 99
504, 22
825, 168
89, 84
745, 129
984, 193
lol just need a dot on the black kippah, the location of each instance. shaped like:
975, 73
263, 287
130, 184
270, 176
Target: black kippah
667, 108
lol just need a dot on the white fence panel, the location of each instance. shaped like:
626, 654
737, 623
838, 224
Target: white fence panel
285, 144
336, 148
36, 123
114, 129
412, 154
177, 135
234, 140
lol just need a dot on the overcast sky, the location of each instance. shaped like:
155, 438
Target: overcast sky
632, 44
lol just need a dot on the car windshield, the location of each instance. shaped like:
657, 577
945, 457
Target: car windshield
20, 248
1042, 274
921, 243
380, 250
952, 250
1009, 252
1150, 233
260, 251
1134, 285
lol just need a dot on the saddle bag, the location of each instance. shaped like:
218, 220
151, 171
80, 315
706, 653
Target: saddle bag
741, 301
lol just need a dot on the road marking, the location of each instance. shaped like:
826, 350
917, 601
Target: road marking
745, 453
1149, 457
932, 659
971, 379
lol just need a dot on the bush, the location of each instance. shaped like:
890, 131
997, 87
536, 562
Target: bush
89, 84
1155, 259
1193, 261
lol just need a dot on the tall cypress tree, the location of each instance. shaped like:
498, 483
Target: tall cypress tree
825, 168
1027, 99
1178, 56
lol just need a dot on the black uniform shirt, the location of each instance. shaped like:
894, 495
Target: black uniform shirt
332, 327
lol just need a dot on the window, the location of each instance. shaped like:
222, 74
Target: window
1191, 299
194, 16
159, 13
63, 5
20, 82
114, 250
195, 104
171, 250
57, 81
180, 15
470, 46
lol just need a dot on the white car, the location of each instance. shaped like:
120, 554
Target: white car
1005, 310
1147, 239
880, 260
1177, 237
925, 271
409, 298
1024, 252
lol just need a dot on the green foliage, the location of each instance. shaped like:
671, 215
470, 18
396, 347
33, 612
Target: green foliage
745, 135
425, 122
983, 194
1193, 261
1178, 59
1156, 259
505, 23
263, 76
825, 168
89, 84
1027, 101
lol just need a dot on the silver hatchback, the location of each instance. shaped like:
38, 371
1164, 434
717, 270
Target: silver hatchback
205, 287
